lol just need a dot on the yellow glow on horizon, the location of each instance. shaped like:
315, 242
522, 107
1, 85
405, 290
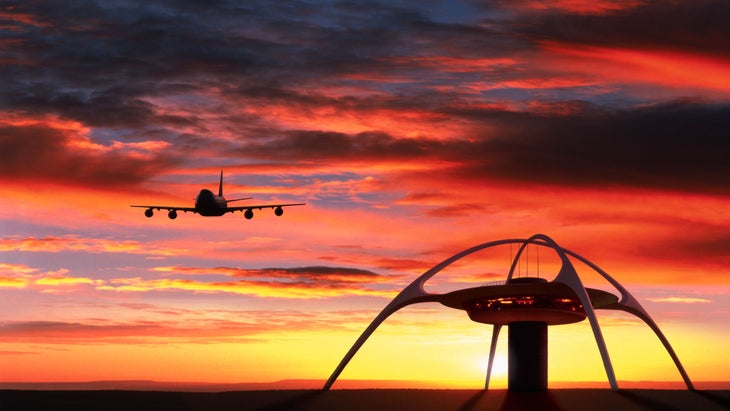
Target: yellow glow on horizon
450, 356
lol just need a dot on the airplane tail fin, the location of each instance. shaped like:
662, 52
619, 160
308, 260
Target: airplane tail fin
220, 186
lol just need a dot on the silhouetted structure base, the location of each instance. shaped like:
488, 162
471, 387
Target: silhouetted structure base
528, 356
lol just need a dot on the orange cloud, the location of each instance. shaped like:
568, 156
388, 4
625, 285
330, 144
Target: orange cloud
144, 150
16, 275
332, 275
51, 121
210, 326
23, 276
74, 243
12, 282
266, 289
341, 117
140, 332
542, 82
66, 281
681, 300
17, 269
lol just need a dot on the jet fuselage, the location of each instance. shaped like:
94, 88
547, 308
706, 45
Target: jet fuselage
210, 205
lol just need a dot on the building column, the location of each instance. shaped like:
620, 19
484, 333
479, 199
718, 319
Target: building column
528, 356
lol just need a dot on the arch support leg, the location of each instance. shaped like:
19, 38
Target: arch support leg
356, 346
640, 313
631, 305
492, 350
407, 297
569, 277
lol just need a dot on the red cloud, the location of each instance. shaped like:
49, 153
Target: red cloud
23, 18
595, 7
672, 69
50, 149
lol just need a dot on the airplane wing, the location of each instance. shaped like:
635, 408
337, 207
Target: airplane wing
168, 208
171, 210
248, 210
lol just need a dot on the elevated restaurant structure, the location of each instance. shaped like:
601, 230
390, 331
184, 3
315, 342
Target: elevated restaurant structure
527, 306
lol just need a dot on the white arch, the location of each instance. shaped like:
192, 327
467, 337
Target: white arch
412, 294
415, 293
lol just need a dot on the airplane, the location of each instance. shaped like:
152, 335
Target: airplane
208, 204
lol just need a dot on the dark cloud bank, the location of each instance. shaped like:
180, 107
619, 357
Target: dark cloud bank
678, 145
101, 65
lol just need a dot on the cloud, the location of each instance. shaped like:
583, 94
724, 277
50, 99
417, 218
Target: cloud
17, 269
160, 87
667, 146
673, 146
7, 352
455, 210
56, 281
681, 300
22, 276
209, 327
108, 332
603, 124
402, 264
16, 275
314, 273
688, 72
296, 283
582, 8
314, 282
692, 245
366, 147
12, 282
75, 243
697, 26
60, 151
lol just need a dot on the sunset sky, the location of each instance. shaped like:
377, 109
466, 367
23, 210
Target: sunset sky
411, 129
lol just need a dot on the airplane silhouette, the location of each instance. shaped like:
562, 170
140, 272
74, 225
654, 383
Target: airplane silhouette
208, 204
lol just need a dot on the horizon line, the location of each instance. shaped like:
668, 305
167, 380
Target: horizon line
308, 384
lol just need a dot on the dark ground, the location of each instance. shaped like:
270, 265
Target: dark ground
373, 399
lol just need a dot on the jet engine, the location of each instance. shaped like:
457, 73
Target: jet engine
248, 214
148, 213
172, 214
278, 211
